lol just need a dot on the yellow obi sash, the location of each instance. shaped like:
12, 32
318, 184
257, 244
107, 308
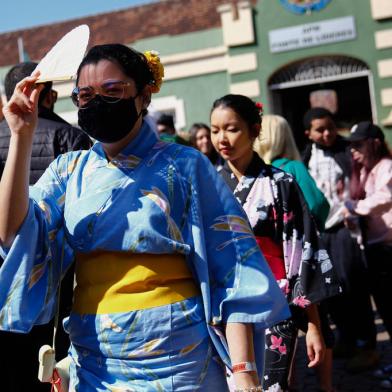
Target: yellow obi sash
116, 282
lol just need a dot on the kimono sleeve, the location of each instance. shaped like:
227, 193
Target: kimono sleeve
241, 285
38, 256
309, 269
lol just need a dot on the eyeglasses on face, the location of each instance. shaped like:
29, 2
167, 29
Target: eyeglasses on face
110, 91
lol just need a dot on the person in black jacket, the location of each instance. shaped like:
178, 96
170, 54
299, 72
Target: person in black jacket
329, 161
53, 136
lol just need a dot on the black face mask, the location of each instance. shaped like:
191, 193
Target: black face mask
108, 122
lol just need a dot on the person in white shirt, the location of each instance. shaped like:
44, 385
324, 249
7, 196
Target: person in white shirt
329, 161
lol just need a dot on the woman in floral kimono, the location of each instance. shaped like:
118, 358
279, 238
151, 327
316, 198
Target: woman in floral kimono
170, 283
284, 230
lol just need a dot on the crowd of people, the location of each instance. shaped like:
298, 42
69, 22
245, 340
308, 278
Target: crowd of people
186, 270
347, 185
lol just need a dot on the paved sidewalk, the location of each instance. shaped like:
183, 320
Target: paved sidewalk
343, 381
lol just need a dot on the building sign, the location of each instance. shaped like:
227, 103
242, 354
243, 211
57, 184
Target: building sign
304, 6
312, 34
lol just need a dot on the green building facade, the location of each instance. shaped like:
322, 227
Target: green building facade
344, 47
288, 54
343, 52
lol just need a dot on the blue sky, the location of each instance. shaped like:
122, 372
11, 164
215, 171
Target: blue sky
21, 14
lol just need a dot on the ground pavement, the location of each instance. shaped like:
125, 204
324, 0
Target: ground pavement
343, 381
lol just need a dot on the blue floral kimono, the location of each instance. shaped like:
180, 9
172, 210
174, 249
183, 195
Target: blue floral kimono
153, 198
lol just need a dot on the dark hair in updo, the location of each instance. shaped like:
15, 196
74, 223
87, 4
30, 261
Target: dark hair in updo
243, 106
132, 62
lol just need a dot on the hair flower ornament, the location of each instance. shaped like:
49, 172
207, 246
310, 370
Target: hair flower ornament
156, 68
259, 107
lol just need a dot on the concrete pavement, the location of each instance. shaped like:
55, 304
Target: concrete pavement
343, 381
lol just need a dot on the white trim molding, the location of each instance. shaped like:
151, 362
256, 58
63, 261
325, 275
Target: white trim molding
381, 9
194, 67
386, 97
383, 39
242, 63
194, 55
385, 68
250, 88
387, 120
170, 104
207, 61
237, 23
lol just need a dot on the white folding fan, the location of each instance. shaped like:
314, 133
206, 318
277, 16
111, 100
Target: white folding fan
62, 61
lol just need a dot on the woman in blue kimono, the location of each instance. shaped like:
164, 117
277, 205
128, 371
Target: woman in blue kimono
170, 283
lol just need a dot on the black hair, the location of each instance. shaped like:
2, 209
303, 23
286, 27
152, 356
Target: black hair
213, 156
133, 63
166, 120
243, 106
383, 150
375, 152
316, 113
194, 129
19, 72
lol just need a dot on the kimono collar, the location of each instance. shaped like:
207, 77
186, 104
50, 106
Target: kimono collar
256, 167
138, 147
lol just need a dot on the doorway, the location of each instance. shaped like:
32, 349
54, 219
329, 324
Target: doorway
351, 80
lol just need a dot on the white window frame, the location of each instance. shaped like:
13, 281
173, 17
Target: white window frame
169, 104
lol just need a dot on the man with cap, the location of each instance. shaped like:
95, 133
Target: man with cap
329, 161
363, 131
